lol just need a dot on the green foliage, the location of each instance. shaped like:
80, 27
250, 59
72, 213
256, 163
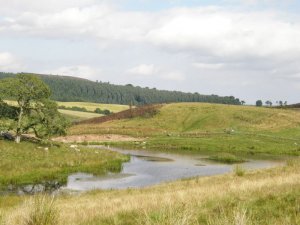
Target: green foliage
46, 121
259, 103
100, 111
24, 88
74, 108
81, 90
34, 110
8, 111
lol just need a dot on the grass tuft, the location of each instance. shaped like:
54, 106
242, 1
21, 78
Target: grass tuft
169, 215
237, 217
239, 170
43, 211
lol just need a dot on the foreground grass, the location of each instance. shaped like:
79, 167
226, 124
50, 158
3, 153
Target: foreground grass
262, 197
29, 163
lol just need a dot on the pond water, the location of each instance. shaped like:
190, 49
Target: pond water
147, 168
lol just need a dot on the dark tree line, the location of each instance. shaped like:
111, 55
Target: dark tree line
76, 89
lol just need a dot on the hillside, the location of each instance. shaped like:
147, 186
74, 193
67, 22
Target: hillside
208, 127
192, 117
71, 89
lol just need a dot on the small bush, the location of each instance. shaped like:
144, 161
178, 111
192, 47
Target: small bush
104, 112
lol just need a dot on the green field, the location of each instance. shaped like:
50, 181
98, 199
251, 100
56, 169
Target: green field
29, 163
77, 116
209, 127
92, 106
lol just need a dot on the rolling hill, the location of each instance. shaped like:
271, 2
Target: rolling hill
194, 117
206, 127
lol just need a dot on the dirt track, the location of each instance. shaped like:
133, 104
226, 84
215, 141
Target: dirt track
95, 138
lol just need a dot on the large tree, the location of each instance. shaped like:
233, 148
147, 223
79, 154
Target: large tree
34, 110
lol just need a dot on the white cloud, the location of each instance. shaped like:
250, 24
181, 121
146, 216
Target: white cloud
9, 63
173, 76
83, 71
157, 73
143, 69
208, 66
17, 6
216, 32
208, 31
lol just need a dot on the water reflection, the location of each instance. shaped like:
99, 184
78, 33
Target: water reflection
148, 168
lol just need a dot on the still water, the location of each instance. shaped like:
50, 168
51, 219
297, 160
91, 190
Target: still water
147, 168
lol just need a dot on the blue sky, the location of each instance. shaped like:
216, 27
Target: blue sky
154, 5
245, 48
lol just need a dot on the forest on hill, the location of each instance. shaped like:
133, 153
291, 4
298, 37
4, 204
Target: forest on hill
72, 89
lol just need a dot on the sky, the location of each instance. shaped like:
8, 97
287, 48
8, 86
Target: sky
246, 48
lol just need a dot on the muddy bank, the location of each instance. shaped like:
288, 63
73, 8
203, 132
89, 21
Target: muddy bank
95, 138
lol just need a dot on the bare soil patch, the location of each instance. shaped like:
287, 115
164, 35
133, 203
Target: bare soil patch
95, 138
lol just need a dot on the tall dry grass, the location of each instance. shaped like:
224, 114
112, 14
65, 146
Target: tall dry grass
37, 210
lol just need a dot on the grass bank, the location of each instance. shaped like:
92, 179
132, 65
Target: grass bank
259, 197
28, 163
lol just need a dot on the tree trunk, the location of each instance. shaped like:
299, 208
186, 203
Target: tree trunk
19, 127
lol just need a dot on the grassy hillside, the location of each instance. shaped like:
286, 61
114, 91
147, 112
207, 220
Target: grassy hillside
200, 126
256, 198
202, 117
